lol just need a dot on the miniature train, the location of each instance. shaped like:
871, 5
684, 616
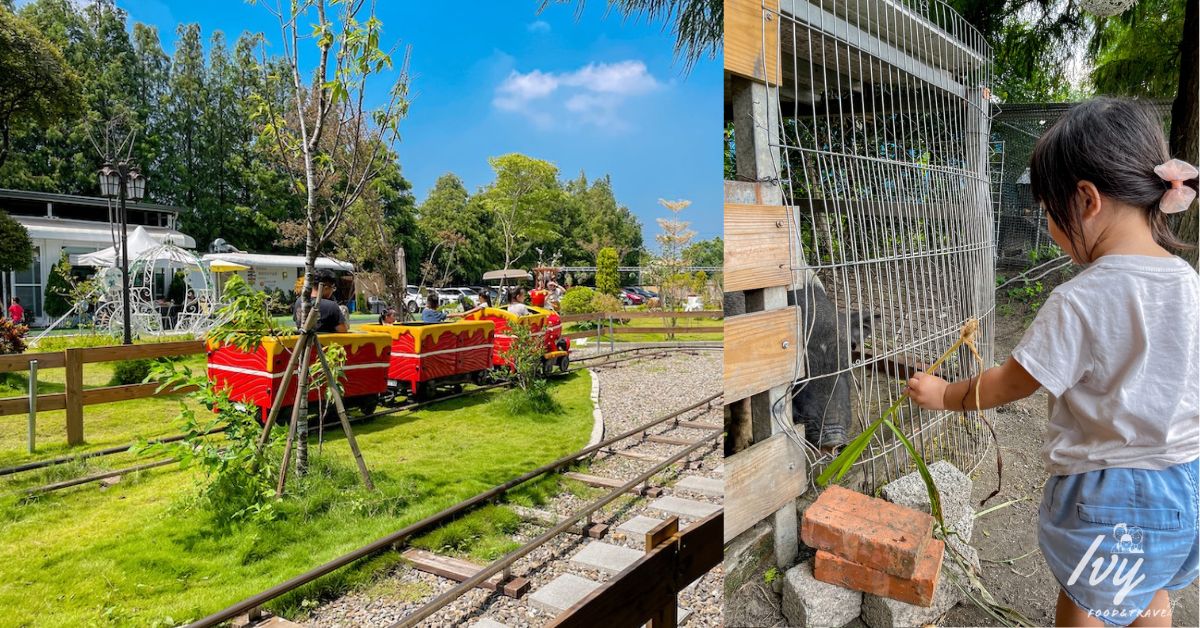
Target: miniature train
390, 362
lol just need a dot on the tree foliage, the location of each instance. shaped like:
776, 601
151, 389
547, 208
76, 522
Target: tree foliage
709, 252
38, 86
16, 250
607, 281
58, 289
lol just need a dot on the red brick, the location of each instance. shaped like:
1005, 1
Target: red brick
916, 590
868, 531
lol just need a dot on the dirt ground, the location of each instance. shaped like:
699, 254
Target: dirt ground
1024, 585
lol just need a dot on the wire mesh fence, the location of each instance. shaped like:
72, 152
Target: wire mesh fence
885, 161
1022, 236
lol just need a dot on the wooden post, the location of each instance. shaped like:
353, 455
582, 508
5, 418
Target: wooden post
331, 382
74, 368
667, 616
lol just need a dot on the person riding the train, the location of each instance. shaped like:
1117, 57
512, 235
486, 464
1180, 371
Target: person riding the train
329, 316
516, 302
431, 313
387, 317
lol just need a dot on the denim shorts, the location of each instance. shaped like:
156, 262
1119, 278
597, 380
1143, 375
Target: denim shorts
1114, 537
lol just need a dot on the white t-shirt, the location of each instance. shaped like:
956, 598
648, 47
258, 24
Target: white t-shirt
519, 309
1118, 349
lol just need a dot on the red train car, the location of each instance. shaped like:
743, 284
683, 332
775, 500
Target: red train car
542, 323
255, 377
427, 355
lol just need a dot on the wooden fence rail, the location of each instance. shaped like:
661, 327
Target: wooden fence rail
600, 318
76, 397
647, 591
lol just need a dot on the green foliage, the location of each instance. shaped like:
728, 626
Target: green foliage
16, 250
578, 300
607, 281
522, 201
57, 297
1044, 254
524, 357
1137, 53
730, 153
131, 372
39, 87
236, 485
709, 252
771, 575
606, 303
246, 317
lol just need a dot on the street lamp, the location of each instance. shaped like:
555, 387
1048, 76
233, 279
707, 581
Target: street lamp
123, 181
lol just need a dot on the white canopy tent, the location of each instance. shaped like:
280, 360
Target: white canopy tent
140, 241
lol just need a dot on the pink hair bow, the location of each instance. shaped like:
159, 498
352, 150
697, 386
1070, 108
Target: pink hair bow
1180, 196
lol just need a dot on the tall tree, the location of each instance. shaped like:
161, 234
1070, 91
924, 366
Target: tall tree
673, 240
521, 200
38, 86
184, 175
449, 208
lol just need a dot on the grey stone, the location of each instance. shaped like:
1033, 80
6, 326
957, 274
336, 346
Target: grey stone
808, 602
702, 486
684, 507
488, 622
749, 553
882, 612
562, 593
606, 557
635, 529
954, 489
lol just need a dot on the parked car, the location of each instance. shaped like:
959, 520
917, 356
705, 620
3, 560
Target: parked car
466, 292
412, 300
629, 297
646, 294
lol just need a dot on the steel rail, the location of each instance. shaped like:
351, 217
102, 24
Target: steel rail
431, 607
263, 597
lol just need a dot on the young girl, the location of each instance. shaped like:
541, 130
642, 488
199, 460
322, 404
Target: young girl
1117, 349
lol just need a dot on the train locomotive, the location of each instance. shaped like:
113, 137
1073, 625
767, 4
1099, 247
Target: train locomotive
391, 362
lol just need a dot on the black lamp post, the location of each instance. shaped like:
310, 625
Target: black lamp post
123, 181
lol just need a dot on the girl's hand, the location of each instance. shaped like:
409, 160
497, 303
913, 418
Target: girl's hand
928, 391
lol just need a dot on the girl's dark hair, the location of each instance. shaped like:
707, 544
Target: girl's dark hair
1115, 144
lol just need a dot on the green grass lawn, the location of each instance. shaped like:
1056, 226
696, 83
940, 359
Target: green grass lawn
136, 554
658, 322
104, 425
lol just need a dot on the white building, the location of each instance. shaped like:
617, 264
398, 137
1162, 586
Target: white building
76, 225
275, 272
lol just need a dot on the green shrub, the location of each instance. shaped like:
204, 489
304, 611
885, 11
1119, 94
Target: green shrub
605, 303
578, 300
130, 372
607, 281
58, 288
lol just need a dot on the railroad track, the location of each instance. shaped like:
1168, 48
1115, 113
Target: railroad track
629, 464
607, 358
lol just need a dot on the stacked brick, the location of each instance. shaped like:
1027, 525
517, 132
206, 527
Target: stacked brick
870, 545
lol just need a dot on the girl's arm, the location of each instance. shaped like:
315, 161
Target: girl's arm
1000, 385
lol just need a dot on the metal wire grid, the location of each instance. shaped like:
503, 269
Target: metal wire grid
882, 158
1022, 235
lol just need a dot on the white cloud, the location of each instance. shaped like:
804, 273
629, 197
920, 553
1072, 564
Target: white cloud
592, 94
539, 26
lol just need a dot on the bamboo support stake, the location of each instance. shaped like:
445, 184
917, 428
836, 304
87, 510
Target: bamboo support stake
299, 408
331, 382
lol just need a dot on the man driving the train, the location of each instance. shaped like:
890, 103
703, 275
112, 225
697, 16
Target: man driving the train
330, 318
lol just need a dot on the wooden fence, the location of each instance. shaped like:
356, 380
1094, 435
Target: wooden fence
647, 591
605, 322
76, 397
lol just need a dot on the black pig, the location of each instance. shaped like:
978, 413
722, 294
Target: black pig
822, 402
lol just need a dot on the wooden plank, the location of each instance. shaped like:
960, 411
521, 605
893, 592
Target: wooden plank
756, 247
109, 394
745, 33
712, 314
595, 480
20, 361
700, 426
455, 569
137, 352
74, 394
20, 405
760, 352
668, 440
625, 453
760, 480
714, 329
640, 592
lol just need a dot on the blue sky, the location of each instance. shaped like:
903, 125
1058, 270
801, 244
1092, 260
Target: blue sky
597, 93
